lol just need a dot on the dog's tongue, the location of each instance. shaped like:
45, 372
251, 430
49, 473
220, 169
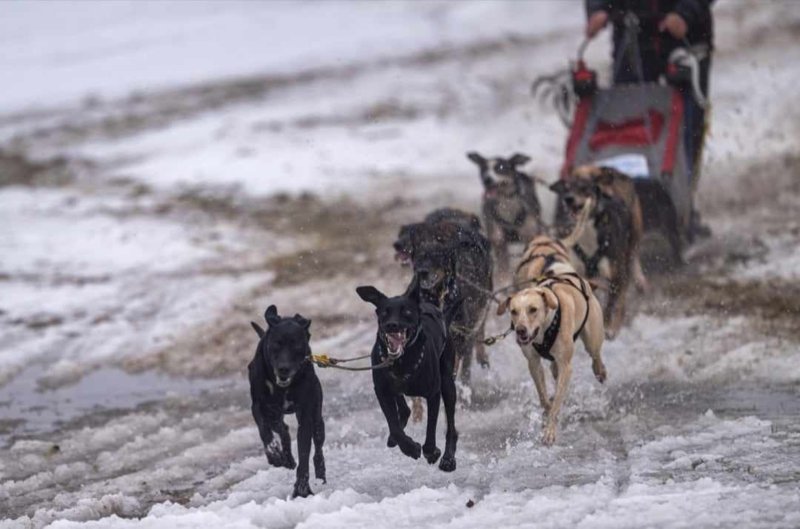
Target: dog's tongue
395, 340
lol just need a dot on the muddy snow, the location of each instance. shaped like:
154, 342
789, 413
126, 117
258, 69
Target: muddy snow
169, 170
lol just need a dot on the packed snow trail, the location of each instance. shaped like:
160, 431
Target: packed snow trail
144, 224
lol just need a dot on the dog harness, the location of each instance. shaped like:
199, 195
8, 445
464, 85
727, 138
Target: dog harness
549, 338
591, 262
549, 260
551, 333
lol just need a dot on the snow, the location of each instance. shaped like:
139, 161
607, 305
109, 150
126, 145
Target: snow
66, 51
84, 269
696, 426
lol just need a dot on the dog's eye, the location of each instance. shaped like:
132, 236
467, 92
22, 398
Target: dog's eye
531, 310
407, 312
514, 312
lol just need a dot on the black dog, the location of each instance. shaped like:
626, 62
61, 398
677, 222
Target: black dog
412, 336
282, 381
511, 209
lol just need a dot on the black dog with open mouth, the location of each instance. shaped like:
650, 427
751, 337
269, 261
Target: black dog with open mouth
412, 336
283, 381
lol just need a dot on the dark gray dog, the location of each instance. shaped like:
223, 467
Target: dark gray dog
452, 260
511, 209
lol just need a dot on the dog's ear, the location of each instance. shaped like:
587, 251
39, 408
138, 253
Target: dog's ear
519, 159
475, 222
259, 331
559, 187
304, 322
371, 294
502, 307
605, 176
477, 159
271, 315
597, 284
550, 299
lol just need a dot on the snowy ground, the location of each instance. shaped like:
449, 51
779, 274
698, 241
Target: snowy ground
167, 170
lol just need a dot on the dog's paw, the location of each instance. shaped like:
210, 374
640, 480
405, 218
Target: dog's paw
549, 436
447, 464
599, 371
431, 456
302, 489
411, 449
390, 442
275, 456
319, 467
288, 461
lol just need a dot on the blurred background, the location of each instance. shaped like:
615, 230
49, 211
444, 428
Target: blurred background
168, 169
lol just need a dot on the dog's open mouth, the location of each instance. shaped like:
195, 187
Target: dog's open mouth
431, 280
395, 343
283, 382
527, 337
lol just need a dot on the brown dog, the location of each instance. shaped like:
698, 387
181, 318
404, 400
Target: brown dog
548, 319
614, 243
618, 185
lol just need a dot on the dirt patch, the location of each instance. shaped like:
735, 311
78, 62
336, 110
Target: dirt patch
342, 237
771, 306
345, 238
380, 112
760, 183
343, 243
17, 169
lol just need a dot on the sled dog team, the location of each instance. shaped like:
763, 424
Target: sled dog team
426, 335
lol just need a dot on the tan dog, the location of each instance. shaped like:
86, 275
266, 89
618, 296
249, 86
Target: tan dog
615, 184
547, 319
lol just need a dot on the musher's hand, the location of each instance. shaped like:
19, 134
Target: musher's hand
596, 22
675, 24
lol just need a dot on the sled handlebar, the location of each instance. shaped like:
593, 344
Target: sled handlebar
582, 48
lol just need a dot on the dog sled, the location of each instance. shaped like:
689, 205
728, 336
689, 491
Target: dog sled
638, 129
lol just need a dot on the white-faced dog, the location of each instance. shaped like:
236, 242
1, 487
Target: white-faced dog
511, 210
